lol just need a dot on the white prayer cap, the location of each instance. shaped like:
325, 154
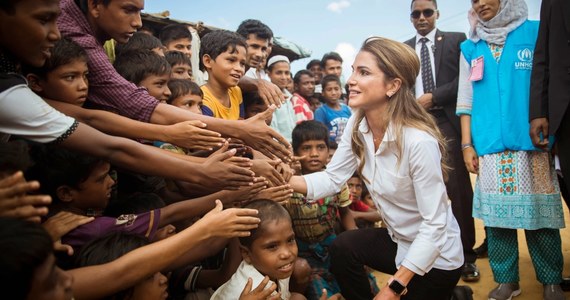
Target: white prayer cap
277, 58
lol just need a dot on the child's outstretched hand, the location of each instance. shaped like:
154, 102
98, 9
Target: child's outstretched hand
15, 201
232, 222
280, 194
193, 135
260, 292
221, 175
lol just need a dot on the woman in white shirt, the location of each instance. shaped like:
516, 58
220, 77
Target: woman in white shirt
397, 148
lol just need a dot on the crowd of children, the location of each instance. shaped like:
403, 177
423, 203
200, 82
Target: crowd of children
128, 171
80, 204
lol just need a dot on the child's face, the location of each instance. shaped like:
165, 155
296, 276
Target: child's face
228, 68
315, 154
314, 103
368, 201
332, 92
280, 74
290, 85
256, 51
355, 187
118, 20
331, 153
274, 252
183, 45
306, 86
30, 32
189, 102
49, 282
152, 288
254, 109
157, 86
95, 192
317, 71
67, 83
181, 71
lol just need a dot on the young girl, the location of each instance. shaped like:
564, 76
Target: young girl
333, 114
396, 147
270, 251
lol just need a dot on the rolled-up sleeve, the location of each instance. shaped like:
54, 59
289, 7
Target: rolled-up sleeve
432, 201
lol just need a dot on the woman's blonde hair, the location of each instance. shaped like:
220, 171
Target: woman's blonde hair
398, 61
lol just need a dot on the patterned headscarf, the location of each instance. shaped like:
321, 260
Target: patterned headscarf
511, 14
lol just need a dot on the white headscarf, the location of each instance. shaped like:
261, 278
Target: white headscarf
511, 14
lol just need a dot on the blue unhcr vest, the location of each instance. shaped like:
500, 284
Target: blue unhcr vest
501, 98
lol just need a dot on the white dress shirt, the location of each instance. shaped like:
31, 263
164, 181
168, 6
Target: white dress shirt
411, 195
431, 50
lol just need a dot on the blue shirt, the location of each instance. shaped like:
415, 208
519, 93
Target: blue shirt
335, 120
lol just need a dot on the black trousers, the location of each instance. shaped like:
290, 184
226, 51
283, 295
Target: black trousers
373, 247
458, 185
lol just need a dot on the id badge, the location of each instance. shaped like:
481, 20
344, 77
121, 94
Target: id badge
476, 69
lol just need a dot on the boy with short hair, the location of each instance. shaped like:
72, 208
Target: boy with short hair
223, 56
334, 114
316, 222
177, 37
304, 82
180, 64
331, 64
269, 255
253, 105
186, 95
140, 41
257, 36
146, 69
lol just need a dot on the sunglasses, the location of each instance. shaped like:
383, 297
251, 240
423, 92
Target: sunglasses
426, 12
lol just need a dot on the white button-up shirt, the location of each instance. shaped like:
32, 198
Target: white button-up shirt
411, 195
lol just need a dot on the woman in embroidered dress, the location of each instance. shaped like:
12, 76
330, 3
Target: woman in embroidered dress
516, 187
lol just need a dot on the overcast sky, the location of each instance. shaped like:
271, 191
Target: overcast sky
321, 25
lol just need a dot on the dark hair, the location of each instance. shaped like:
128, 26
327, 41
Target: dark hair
24, 246
218, 42
14, 157
136, 203
57, 167
312, 63
330, 78
174, 32
268, 211
107, 249
181, 87
434, 3
330, 56
9, 6
137, 65
174, 57
252, 98
147, 29
309, 131
333, 145
139, 41
65, 51
297, 77
251, 26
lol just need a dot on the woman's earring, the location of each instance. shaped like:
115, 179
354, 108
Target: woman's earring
389, 94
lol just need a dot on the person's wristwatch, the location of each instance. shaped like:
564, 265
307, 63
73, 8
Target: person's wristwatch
397, 286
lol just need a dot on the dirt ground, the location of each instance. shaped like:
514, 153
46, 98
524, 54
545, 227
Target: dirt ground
531, 288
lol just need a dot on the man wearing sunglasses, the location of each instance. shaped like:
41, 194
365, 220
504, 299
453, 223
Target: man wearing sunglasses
436, 91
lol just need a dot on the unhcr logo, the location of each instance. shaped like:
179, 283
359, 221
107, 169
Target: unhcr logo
525, 59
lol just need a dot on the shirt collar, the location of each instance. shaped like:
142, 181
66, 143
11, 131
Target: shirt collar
365, 130
430, 36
